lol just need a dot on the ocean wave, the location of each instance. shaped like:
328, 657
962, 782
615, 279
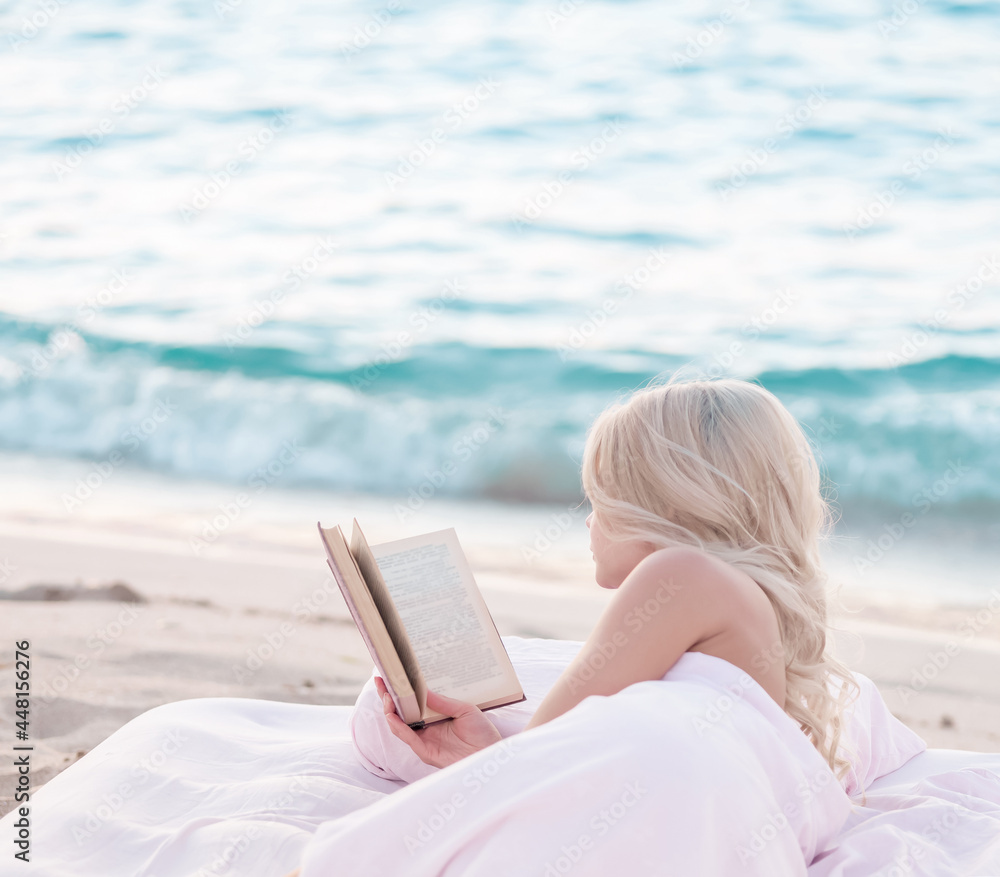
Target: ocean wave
807, 211
505, 423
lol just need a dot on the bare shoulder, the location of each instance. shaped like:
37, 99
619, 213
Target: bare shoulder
688, 573
674, 601
687, 582
733, 616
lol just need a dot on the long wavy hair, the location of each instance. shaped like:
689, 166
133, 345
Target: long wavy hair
723, 466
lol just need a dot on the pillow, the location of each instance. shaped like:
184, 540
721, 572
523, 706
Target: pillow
881, 742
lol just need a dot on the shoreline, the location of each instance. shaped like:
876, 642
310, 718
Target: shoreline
255, 614
200, 518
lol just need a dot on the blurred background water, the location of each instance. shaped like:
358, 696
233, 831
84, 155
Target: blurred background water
398, 244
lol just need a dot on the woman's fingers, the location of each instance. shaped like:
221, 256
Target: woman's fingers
396, 724
448, 706
411, 738
388, 707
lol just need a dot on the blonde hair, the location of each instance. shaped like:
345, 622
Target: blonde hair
722, 465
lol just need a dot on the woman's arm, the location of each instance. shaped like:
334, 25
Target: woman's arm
673, 600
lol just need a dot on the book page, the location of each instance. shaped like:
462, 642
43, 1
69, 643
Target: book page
452, 633
393, 623
370, 625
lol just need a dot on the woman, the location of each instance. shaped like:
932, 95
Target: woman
707, 504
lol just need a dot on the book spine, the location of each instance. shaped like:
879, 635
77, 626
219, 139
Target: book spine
368, 641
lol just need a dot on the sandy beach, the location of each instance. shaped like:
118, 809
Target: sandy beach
254, 614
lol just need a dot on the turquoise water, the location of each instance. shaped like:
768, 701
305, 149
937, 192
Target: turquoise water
390, 245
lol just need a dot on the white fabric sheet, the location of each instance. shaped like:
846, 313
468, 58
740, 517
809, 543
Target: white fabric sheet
254, 788
875, 741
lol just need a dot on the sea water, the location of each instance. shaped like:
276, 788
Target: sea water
373, 247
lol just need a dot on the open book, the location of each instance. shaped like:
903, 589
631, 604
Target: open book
424, 621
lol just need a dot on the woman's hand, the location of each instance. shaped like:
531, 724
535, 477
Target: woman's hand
444, 742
